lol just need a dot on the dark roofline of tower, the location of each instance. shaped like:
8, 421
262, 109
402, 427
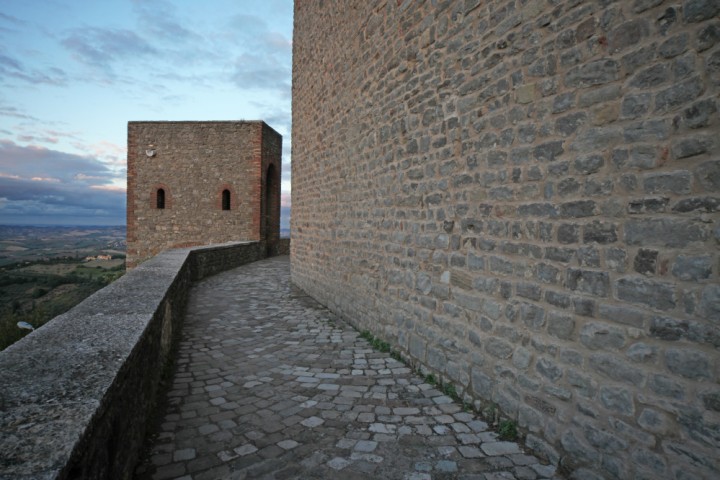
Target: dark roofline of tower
200, 122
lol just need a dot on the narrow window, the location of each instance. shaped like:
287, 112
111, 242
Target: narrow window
160, 199
226, 200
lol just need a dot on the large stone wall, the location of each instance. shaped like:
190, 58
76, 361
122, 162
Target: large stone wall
193, 162
523, 197
76, 395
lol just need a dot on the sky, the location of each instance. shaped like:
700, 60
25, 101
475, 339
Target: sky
74, 72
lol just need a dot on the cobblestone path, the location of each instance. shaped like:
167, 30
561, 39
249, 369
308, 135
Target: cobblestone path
269, 384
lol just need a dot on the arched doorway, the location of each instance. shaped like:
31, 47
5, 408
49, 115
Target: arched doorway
271, 220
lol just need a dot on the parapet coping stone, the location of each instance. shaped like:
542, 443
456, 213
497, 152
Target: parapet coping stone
54, 380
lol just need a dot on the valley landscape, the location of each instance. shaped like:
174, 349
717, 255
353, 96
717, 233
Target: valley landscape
45, 271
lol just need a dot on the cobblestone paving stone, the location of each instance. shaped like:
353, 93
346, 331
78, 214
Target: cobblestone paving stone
270, 384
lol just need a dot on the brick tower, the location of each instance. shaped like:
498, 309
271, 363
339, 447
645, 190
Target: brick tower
198, 183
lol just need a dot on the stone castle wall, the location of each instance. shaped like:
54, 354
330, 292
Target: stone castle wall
193, 163
523, 197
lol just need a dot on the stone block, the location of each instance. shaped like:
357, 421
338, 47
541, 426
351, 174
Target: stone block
588, 281
693, 267
616, 368
548, 369
602, 233
708, 36
525, 94
689, 363
664, 232
678, 94
636, 105
560, 325
595, 335
417, 347
618, 400
588, 164
646, 261
647, 131
579, 209
582, 384
482, 384
710, 303
659, 295
642, 352
569, 124
708, 175
652, 461
699, 10
622, 314
627, 34
666, 387
498, 348
711, 400
598, 72
695, 204
651, 77
678, 182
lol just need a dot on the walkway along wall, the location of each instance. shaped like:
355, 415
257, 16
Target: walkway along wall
523, 196
77, 394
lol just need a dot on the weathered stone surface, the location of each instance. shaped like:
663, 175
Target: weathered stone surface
548, 369
97, 369
616, 368
666, 387
600, 232
693, 204
678, 182
698, 10
596, 336
678, 95
194, 210
584, 141
646, 261
649, 292
708, 175
710, 303
688, 363
711, 400
641, 352
594, 73
691, 267
587, 281
618, 400
663, 232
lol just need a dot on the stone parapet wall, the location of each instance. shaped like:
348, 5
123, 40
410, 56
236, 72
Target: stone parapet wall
283, 247
523, 197
77, 393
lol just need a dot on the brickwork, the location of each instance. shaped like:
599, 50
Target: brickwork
523, 196
193, 162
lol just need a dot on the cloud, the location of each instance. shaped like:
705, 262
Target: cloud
100, 47
261, 71
11, 67
37, 139
49, 185
266, 56
158, 18
14, 112
12, 21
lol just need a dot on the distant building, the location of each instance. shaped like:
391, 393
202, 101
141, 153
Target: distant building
197, 183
